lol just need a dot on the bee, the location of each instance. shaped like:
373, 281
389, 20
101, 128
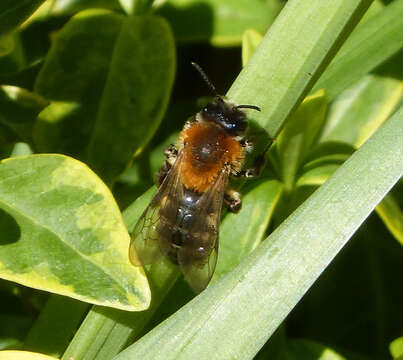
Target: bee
182, 220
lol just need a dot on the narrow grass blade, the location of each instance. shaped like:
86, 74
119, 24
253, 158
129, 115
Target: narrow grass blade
372, 43
294, 53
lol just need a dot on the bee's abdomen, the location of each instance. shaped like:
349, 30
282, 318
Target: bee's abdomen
176, 230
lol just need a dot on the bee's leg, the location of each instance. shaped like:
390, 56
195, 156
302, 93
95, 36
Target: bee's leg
171, 153
232, 200
257, 166
163, 171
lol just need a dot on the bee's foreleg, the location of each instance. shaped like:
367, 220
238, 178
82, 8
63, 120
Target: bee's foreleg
258, 163
232, 200
171, 153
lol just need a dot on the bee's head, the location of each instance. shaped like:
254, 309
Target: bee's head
230, 117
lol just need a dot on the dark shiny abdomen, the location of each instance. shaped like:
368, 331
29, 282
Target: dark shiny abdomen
175, 223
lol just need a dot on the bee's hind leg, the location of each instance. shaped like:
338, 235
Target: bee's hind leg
232, 200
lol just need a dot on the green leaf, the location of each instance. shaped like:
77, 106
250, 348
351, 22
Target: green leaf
241, 233
392, 216
21, 149
371, 43
62, 232
309, 350
18, 111
256, 297
250, 41
396, 348
293, 53
69, 7
57, 321
9, 343
136, 6
222, 23
14, 12
6, 44
360, 110
298, 136
23, 355
110, 92
317, 175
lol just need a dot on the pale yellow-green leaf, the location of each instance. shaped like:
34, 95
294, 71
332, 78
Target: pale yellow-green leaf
61, 231
23, 355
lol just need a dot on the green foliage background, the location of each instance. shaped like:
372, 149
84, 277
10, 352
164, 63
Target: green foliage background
92, 91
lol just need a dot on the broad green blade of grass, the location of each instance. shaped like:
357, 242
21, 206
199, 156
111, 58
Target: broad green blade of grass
62, 232
109, 88
256, 297
13, 13
23, 355
221, 23
371, 43
295, 51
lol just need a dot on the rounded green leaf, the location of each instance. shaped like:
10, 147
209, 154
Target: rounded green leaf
109, 77
220, 22
61, 231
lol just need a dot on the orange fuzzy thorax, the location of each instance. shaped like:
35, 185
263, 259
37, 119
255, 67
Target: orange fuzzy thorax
207, 149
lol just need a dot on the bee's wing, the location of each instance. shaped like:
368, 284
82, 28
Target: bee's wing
203, 235
150, 236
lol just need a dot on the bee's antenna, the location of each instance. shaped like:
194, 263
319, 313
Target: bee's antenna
248, 107
206, 79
